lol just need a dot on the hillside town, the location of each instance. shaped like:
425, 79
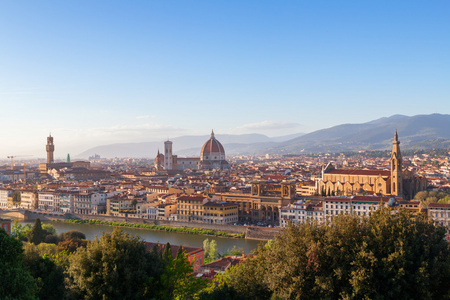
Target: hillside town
265, 191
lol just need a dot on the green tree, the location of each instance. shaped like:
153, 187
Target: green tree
114, 266
71, 245
48, 276
233, 252
20, 231
421, 195
387, 256
37, 234
71, 234
176, 280
206, 247
15, 281
213, 254
50, 229
16, 198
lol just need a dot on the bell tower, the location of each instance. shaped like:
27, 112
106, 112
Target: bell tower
396, 168
50, 147
168, 159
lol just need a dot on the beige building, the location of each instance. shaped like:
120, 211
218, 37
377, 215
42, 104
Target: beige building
28, 199
395, 182
166, 210
264, 202
307, 188
190, 208
220, 212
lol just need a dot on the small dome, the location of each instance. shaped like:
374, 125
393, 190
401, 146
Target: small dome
391, 202
212, 146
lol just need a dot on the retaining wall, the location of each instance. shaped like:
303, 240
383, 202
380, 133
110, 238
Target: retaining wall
261, 233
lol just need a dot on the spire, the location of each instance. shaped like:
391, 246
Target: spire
396, 135
158, 151
50, 134
212, 133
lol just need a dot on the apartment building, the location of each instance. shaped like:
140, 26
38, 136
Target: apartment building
301, 212
220, 212
4, 194
47, 201
66, 202
190, 208
440, 214
28, 199
166, 210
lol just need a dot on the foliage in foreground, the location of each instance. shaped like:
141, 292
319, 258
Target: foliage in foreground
114, 266
157, 227
388, 256
118, 266
15, 281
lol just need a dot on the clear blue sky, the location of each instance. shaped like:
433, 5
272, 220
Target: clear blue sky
99, 72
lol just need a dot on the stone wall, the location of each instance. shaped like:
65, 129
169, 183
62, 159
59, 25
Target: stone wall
261, 233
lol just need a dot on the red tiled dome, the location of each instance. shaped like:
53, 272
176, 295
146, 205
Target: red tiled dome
212, 146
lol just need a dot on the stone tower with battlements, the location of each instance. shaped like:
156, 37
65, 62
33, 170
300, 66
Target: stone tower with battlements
50, 147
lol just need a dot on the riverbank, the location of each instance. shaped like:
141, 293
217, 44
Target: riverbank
198, 228
197, 231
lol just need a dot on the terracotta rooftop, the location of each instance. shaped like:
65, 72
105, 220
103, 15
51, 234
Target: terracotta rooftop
360, 172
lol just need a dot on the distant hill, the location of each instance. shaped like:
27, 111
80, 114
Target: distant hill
189, 145
416, 132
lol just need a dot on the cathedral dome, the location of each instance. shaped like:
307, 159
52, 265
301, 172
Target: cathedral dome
212, 148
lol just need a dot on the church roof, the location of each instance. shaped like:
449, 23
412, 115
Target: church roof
212, 146
359, 172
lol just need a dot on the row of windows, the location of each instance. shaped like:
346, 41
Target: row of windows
219, 215
438, 214
196, 213
346, 207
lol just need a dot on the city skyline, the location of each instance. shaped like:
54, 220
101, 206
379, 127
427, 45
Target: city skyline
110, 72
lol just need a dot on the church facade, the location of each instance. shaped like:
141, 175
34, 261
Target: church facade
396, 182
212, 156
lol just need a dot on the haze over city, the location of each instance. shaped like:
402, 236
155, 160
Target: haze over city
95, 73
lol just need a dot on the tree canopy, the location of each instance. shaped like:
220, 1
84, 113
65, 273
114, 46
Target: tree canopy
114, 266
15, 281
387, 256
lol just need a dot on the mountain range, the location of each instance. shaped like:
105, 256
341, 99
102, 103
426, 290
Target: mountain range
415, 132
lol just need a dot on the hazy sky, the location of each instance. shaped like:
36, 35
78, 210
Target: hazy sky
99, 72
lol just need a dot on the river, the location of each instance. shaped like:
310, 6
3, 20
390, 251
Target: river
174, 238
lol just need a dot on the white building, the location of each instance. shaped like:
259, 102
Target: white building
28, 199
66, 202
440, 214
47, 201
301, 212
359, 205
152, 212
98, 203
4, 194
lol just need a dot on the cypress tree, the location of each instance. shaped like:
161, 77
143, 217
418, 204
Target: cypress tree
36, 235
